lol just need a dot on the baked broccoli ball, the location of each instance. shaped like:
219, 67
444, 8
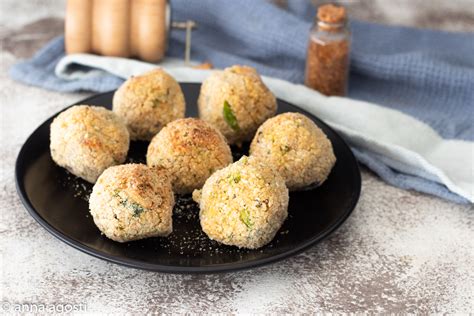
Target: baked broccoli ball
148, 102
236, 102
296, 147
243, 205
131, 202
191, 150
86, 140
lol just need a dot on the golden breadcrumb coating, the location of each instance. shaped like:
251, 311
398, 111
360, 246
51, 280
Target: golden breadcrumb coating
244, 204
131, 202
297, 149
236, 102
148, 102
191, 150
88, 139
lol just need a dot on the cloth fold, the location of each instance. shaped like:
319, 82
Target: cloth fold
415, 131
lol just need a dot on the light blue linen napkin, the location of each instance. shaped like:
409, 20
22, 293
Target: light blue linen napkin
428, 75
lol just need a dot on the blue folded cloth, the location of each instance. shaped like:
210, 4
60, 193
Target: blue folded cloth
426, 74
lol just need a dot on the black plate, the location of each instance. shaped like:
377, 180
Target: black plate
58, 201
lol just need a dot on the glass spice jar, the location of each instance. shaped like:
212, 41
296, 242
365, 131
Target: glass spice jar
327, 62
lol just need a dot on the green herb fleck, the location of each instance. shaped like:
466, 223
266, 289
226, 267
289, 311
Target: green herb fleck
155, 102
134, 206
245, 218
229, 117
235, 178
137, 209
160, 98
285, 148
123, 202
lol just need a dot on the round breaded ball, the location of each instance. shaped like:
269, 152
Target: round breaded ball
236, 102
296, 147
131, 202
191, 150
148, 102
86, 140
244, 204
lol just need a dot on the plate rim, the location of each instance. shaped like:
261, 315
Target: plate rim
137, 264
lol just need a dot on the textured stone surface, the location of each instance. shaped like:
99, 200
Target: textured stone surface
400, 251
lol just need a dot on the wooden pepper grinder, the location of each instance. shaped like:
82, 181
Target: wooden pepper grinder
122, 28
327, 63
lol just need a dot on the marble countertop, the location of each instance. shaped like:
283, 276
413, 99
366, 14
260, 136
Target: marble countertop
400, 251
